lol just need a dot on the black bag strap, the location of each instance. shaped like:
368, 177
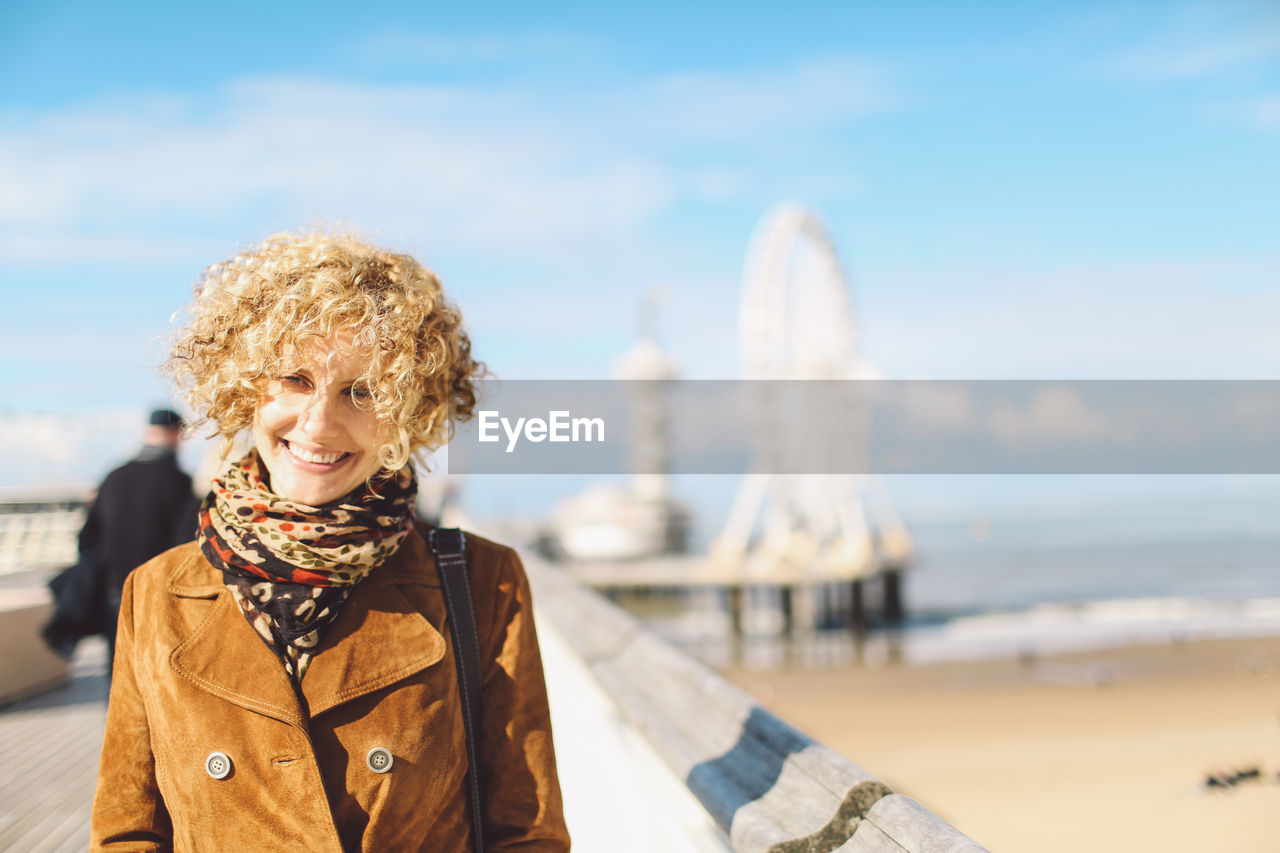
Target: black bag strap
450, 547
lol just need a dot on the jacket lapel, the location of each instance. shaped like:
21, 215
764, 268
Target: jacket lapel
379, 638
223, 655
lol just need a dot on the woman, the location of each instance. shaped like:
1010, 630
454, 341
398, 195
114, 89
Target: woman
288, 681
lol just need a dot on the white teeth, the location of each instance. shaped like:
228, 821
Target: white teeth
321, 458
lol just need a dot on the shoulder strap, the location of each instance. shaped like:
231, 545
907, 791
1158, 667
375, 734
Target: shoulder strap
450, 547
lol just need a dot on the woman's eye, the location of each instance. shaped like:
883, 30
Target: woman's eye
360, 393
294, 380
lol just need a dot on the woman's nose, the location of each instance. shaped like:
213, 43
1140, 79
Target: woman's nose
318, 416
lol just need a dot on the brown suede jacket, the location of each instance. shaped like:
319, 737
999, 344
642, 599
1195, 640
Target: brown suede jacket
193, 679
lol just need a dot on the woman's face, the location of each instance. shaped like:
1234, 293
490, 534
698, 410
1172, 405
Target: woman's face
314, 437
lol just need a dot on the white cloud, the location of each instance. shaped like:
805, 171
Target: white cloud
724, 106
1265, 112
426, 156
1209, 320
508, 168
33, 245
1189, 61
45, 449
1199, 41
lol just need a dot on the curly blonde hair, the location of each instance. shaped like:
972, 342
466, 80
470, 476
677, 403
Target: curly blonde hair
296, 288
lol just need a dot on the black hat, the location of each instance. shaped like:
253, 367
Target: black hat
166, 418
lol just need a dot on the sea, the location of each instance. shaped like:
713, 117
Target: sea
1175, 561
1029, 587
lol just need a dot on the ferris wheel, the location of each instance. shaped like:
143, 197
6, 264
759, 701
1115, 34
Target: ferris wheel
796, 322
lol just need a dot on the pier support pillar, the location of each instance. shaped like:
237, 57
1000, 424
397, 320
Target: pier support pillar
733, 598
858, 610
894, 611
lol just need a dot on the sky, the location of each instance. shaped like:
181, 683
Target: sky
1047, 190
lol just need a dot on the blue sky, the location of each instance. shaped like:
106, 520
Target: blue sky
1085, 190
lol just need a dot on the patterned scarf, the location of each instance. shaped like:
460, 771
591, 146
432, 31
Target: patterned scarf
291, 566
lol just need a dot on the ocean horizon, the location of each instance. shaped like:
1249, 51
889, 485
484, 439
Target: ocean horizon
1036, 581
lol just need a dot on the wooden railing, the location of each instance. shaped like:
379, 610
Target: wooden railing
770, 788
39, 532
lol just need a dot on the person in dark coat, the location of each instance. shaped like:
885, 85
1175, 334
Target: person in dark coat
143, 508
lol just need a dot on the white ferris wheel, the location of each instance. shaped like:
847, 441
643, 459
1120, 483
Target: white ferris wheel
796, 322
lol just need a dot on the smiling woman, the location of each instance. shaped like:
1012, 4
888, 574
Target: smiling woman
289, 681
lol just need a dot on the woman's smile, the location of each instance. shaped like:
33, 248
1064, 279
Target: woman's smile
318, 459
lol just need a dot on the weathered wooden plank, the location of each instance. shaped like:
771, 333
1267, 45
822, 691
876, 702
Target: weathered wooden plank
49, 748
76, 839
57, 790
794, 818
43, 746
67, 801
596, 634
71, 833
869, 838
917, 829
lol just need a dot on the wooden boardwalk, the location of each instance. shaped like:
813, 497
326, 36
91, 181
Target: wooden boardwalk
49, 746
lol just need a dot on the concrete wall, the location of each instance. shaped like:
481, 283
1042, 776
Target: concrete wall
27, 667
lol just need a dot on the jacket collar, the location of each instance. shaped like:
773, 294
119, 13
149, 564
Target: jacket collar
378, 639
155, 453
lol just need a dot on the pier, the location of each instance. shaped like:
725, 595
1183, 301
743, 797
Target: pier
796, 601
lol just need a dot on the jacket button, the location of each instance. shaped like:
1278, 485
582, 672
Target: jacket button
218, 765
379, 759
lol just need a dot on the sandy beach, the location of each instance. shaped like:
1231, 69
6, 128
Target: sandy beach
1099, 751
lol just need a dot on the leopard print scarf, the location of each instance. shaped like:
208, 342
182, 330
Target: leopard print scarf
290, 566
